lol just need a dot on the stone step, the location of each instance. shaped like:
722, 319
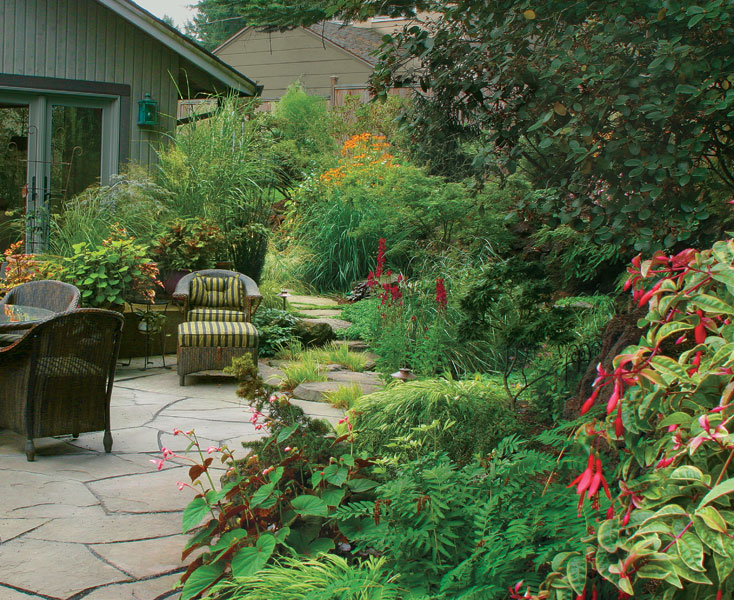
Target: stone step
335, 324
319, 313
312, 300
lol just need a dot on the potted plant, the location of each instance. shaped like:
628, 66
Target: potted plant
108, 275
186, 245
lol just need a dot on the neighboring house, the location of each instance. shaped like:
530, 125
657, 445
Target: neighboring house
72, 73
330, 59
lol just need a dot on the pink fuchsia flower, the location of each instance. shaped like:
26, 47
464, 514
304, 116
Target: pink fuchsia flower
212, 449
272, 398
258, 427
268, 470
177, 431
181, 485
288, 449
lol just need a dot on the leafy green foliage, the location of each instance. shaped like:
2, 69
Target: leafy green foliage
281, 497
464, 532
213, 23
116, 271
478, 407
632, 145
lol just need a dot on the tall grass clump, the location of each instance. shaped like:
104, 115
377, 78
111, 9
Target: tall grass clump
218, 167
340, 354
132, 200
328, 577
344, 397
478, 407
306, 369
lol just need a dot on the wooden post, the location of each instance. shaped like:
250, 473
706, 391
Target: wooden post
334, 79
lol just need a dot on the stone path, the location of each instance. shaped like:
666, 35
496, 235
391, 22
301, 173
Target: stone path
81, 524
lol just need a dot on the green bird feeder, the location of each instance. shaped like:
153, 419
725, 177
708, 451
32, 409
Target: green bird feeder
147, 112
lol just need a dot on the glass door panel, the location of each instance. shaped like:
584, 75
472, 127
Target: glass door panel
14, 143
76, 151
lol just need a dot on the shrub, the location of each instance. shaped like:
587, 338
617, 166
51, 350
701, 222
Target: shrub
479, 408
275, 330
191, 244
668, 409
116, 271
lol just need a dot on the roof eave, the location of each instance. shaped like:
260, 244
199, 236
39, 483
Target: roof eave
183, 46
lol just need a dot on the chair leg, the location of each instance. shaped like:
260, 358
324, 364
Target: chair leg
30, 450
182, 380
107, 441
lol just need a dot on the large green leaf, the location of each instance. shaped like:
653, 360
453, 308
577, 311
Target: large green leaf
712, 304
361, 485
262, 494
310, 506
248, 561
690, 550
725, 487
576, 572
194, 513
201, 579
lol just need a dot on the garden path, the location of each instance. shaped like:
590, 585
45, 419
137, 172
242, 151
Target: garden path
80, 524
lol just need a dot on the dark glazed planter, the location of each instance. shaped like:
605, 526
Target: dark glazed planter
171, 278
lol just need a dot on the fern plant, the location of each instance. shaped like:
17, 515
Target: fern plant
464, 532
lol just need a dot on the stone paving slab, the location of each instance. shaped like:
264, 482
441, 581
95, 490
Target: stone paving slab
155, 588
320, 312
11, 528
335, 324
105, 529
53, 568
144, 558
145, 493
312, 300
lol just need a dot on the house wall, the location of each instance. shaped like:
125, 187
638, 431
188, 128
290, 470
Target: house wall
277, 59
82, 40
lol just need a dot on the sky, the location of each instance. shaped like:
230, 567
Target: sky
177, 9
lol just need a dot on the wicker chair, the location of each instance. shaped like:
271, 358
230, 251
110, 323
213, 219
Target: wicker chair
49, 294
218, 305
57, 378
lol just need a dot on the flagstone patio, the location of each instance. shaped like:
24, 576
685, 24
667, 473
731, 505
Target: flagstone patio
81, 524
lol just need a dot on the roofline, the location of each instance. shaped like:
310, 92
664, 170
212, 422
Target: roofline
182, 45
309, 30
339, 46
231, 38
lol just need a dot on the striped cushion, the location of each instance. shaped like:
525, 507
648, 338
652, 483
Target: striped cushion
208, 290
217, 334
216, 314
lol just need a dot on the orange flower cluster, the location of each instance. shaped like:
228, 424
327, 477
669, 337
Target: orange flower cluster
362, 150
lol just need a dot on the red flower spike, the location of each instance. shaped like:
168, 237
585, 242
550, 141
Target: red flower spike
626, 517
648, 295
618, 425
610, 514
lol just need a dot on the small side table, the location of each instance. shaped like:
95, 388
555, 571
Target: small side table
151, 324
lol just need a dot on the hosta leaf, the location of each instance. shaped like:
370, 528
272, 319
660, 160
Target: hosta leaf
576, 573
310, 506
361, 485
248, 561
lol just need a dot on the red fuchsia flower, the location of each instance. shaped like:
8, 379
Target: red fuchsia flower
441, 298
618, 425
181, 485
666, 461
159, 462
700, 330
177, 431
268, 470
590, 481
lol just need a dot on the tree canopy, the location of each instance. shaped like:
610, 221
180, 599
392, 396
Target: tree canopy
620, 111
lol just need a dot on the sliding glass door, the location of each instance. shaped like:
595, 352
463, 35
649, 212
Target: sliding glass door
61, 144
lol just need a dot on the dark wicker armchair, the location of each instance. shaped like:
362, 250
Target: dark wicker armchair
218, 305
49, 294
57, 378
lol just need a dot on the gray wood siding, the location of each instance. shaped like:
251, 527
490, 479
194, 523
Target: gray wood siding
83, 40
276, 60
